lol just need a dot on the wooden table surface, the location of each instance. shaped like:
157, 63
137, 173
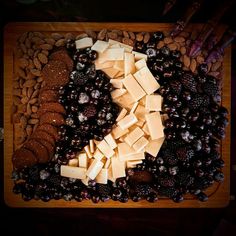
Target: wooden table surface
218, 194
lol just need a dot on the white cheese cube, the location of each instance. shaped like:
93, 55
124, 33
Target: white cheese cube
140, 112
102, 176
83, 160
117, 93
119, 65
84, 43
94, 169
124, 150
87, 150
114, 54
133, 136
127, 121
140, 123
154, 102
105, 65
91, 145
139, 56
110, 141
73, 172
117, 83
73, 162
133, 157
134, 107
140, 144
117, 132
145, 129
122, 114
118, 168
154, 146
105, 149
129, 66
110, 176
140, 64
100, 46
133, 88
110, 72
125, 46
125, 100
98, 155
146, 80
154, 124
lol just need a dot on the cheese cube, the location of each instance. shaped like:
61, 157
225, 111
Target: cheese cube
119, 74
154, 146
140, 112
117, 45
118, 168
110, 72
132, 164
110, 176
105, 149
102, 176
125, 100
154, 124
133, 88
124, 150
142, 101
122, 114
110, 141
98, 155
119, 65
73, 172
129, 66
134, 107
117, 132
133, 136
91, 145
84, 43
107, 164
140, 144
94, 169
117, 93
139, 56
154, 102
83, 160
105, 65
87, 150
140, 123
127, 121
133, 157
125, 46
73, 162
145, 129
146, 80
114, 54
140, 64
100, 46
117, 83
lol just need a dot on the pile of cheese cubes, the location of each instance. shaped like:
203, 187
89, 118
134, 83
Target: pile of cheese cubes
138, 128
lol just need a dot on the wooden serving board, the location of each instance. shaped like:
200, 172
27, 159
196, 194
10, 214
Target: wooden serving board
218, 194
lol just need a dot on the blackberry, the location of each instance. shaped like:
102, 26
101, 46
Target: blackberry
196, 101
54, 180
90, 111
143, 189
103, 190
169, 157
189, 82
205, 100
34, 173
184, 179
166, 181
176, 86
167, 192
211, 89
79, 78
184, 153
141, 176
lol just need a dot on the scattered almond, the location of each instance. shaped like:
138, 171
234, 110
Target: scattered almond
60, 43
46, 46
172, 46
29, 83
193, 65
56, 36
139, 37
102, 34
179, 39
168, 40
33, 121
43, 58
186, 61
183, 50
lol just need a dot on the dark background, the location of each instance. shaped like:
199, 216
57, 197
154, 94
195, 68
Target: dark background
116, 221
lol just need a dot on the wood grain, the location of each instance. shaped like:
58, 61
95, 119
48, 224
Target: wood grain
218, 194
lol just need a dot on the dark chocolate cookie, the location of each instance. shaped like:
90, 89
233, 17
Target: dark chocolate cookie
49, 129
48, 95
41, 134
51, 107
52, 118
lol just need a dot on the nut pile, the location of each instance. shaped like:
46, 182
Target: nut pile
179, 167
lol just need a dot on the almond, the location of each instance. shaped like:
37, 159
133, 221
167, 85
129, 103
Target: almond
46, 46
34, 109
179, 39
193, 65
139, 37
112, 35
35, 93
23, 48
91, 34
37, 40
24, 100
60, 43
200, 59
37, 63
69, 36
29, 130
50, 41
45, 52
29, 83
33, 121
23, 37
102, 34
16, 100
172, 46
33, 101
21, 73
216, 66
183, 50
27, 43
56, 36
43, 58
28, 109
146, 37
16, 92
160, 44
81, 36
23, 62
125, 34
35, 72
186, 61
127, 41
131, 35
30, 92
168, 40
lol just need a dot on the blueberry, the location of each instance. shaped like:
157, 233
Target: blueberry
83, 98
44, 174
95, 94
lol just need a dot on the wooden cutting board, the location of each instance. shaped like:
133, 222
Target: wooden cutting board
218, 194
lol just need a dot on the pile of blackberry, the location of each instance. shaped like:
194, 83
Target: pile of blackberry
189, 160
90, 112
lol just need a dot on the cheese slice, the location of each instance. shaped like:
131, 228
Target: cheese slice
117, 83
105, 149
127, 121
91, 145
110, 141
125, 100
118, 168
83, 160
124, 150
119, 65
146, 80
114, 54
125, 46
140, 144
100, 46
102, 176
105, 65
84, 43
135, 105
140, 112
73, 172
87, 150
133, 136
154, 102
155, 126
117, 132
94, 169
121, 115
133, 157
129, 66
145, 129
133, 88
110, 72
154, 146
139, 56
117, 93
98, 155
140, 64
